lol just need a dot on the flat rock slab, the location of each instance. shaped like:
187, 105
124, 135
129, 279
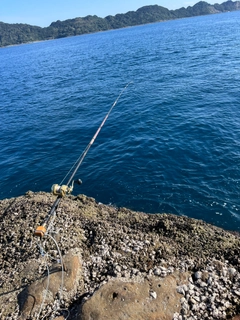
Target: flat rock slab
46, 288
151, 299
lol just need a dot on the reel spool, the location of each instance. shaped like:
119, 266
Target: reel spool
61, 191
64, 190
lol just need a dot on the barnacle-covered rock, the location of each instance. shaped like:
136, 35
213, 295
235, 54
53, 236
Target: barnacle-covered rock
114, 245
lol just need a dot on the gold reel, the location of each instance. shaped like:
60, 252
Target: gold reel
61, 191
64, 190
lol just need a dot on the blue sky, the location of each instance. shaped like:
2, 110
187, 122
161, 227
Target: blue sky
43, 12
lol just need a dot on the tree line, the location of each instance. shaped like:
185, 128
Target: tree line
12, 34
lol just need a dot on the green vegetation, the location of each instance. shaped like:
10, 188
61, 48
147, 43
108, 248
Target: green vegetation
12, 34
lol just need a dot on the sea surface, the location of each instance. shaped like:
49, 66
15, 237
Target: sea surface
172, 141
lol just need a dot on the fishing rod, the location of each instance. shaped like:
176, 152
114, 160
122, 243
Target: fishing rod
62, 190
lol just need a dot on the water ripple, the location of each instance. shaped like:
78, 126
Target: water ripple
172, 143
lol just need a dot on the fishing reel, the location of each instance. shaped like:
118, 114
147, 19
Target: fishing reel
64, 190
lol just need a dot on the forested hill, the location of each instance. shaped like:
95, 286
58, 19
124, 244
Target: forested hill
11, 34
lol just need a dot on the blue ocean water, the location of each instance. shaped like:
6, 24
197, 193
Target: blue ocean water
172, 142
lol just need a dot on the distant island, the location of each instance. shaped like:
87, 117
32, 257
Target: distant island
13, 34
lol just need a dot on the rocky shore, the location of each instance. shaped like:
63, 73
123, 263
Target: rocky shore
101, 262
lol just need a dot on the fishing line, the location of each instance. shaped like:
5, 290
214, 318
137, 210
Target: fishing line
46, 289
46, 256
61, 262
